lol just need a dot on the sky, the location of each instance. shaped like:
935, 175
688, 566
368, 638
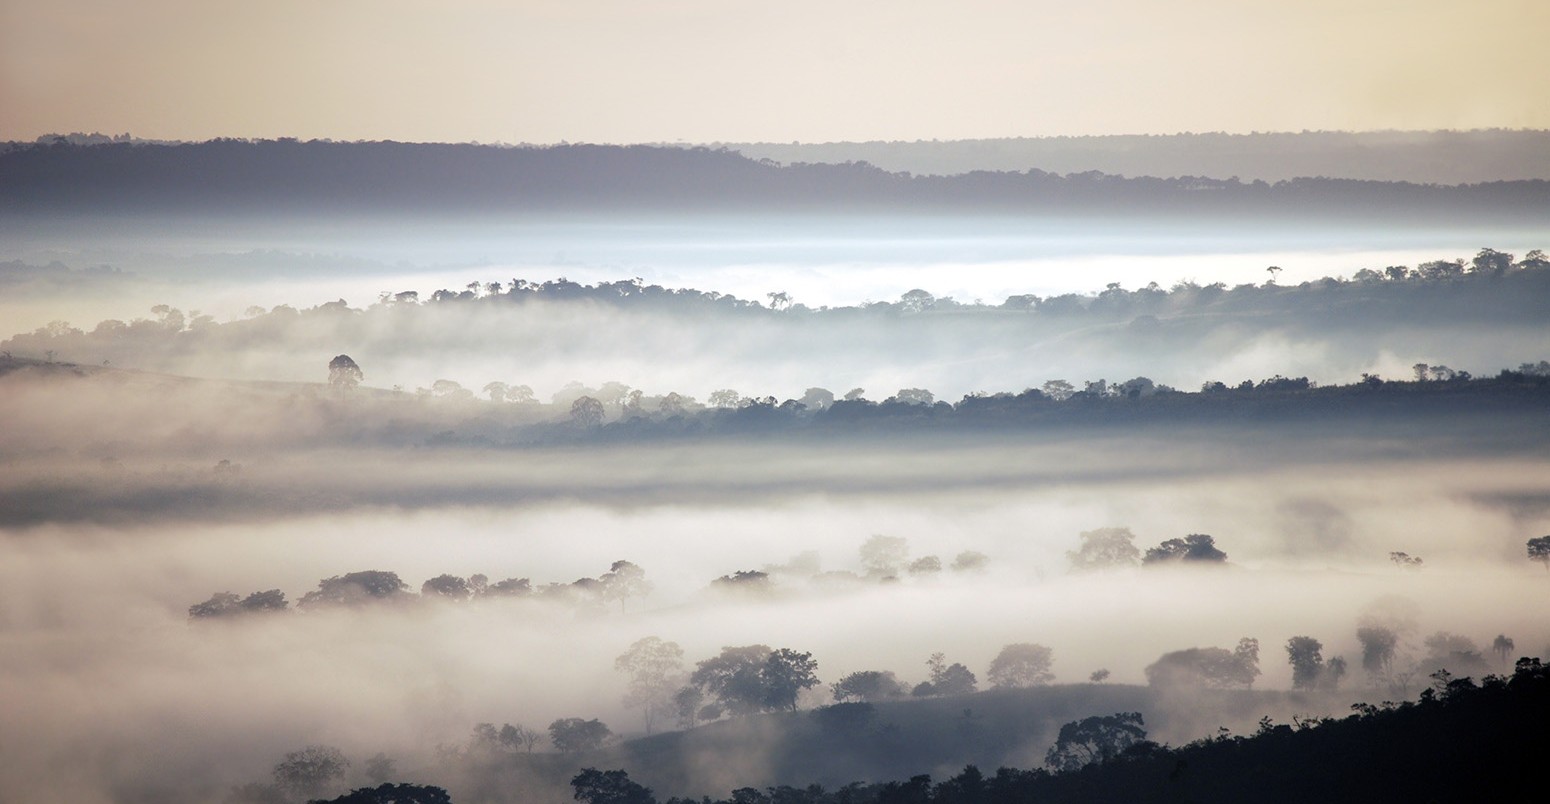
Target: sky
542, 71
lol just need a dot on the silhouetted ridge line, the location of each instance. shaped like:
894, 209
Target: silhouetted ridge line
289, 176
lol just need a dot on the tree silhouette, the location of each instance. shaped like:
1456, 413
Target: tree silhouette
389, 793
572, 734
1305, 654
1502, 646
1196, 548
655, 669
624, 580
869, 686
356, 588
786, 673
1539, 550
593, 786
1378, 645
1022, 664
310, 771
884, 556
449, 587
1094, 740
343, 373
1105, 548
586, 412
946, 679
733, 678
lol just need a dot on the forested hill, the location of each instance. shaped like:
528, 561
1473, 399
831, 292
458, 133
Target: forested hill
289, 176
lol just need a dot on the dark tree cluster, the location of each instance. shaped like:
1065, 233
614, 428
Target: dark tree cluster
623, 580
753, 678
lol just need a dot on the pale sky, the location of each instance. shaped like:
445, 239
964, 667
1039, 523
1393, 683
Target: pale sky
735, 70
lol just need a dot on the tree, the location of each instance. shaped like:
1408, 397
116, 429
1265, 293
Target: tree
1099, 676
356, 588
925, 565
654, 667
744, 582
586, 412
1246, 654
518, 737
1459, 654
868, 686
883, 556
687, 703
451, 389
1305, 654
1094, 739
1058, 390
724, 398
1378, 644
380, 768
310, 771
1502, 646
1405, 560
389, 793
970, 561
1105, 548
593, 786
226, 604
1539, 550
498, 391
817, 398
1334, 670
1492, 262
449, 587
343, 373
733, 678
624, 580
1194, 548
572, 734
1022, 664
786, 673
946, 679
914, 396
1207, 667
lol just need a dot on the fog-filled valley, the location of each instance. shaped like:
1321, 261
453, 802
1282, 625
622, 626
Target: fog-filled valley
300, 498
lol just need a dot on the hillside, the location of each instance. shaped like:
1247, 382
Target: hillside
1461, 741
871, 743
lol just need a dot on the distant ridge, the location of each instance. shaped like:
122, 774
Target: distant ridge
290, 176
1425, 157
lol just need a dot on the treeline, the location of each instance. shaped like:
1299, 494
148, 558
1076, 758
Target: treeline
623, 580
288, 176
1097, 403
1492, 287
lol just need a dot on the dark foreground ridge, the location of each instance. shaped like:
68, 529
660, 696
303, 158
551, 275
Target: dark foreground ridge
1461, 741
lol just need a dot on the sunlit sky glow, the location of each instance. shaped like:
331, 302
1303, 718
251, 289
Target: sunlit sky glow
728, 70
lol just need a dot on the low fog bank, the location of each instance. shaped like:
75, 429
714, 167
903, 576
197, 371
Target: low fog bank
94, 445
1474, 317
120, 697
224, 267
